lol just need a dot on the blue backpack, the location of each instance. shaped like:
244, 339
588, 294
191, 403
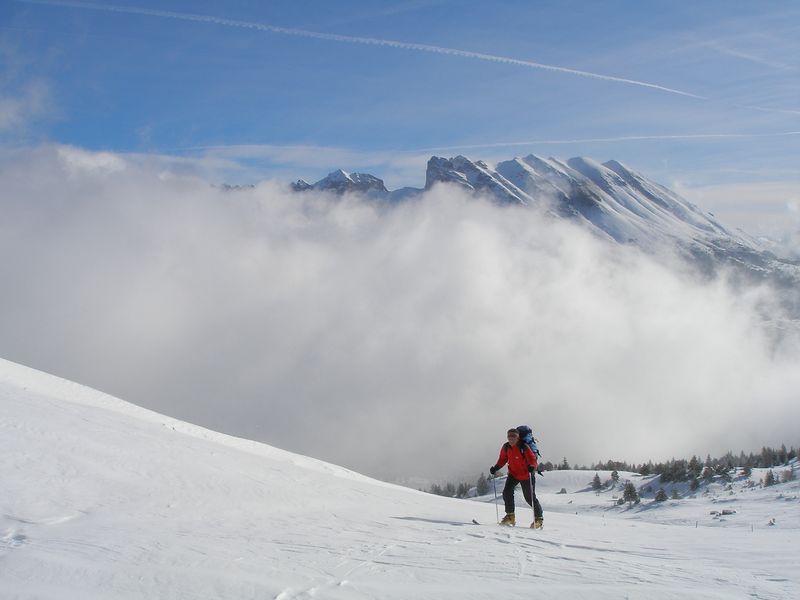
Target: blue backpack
526, 435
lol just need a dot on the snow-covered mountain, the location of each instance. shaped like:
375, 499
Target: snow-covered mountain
105, 500
341, 181
615, 202
610, 199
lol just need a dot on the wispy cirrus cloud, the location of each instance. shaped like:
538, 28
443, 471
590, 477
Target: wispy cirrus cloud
308, 161
28, 103
25, 98
723, 47
624, 138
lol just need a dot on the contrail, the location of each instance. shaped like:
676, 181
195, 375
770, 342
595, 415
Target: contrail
332, 37
627, 138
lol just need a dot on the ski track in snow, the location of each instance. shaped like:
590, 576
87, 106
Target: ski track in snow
108, 500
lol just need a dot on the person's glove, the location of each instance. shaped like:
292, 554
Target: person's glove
493, 469
530, 469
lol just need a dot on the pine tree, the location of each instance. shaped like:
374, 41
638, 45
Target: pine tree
766, 457
565, 465
695, 468
615, 476
482, 485
597, 485
694, 483
661, 495
769, 478
724, 473
708, 474
629, 493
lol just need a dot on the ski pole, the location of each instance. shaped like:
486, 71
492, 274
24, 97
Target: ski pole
533, 498
494, 485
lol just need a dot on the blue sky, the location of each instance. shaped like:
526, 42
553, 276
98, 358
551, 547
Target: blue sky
695, 95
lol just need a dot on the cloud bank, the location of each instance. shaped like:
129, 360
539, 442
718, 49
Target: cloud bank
399, 341
769, 210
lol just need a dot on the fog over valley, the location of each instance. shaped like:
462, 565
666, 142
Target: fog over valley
401, 341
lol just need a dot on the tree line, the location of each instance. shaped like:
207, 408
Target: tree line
677, 470
692, 470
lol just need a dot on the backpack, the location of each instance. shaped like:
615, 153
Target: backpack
526, 435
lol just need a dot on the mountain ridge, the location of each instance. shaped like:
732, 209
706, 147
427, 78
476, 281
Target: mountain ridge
611, 199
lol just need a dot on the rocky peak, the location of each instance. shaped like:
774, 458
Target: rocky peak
340, 181
474, 176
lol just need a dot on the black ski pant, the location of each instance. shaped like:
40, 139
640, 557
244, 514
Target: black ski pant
528, 490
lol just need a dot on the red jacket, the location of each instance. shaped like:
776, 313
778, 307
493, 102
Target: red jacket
518, 460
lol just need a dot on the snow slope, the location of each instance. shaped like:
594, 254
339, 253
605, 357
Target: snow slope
751, 505
107, 500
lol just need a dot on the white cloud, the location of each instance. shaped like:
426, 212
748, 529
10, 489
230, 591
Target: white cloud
397, 341
32, 101
79, 161
763, 209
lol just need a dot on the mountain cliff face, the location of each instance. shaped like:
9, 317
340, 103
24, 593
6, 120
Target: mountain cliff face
610, 199
474, 176
341, 182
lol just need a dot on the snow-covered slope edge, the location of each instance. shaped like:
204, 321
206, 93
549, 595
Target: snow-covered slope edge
64, 391
106, 500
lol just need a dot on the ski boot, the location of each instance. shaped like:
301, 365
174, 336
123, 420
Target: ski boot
509, 520
537, 523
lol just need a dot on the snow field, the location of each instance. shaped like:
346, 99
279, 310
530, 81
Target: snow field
107, 500
754, 506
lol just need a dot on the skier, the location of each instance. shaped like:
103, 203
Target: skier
522, 466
